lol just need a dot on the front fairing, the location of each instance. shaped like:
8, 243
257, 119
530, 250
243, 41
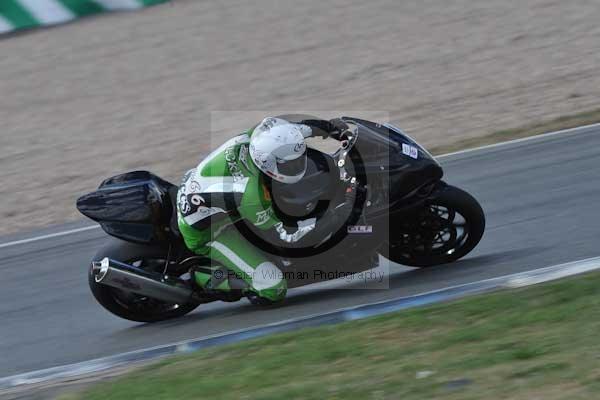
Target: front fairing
392, 160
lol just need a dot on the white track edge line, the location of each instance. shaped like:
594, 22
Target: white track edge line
575, 130
49, 236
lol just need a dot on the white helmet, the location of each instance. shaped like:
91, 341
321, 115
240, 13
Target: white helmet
278, 149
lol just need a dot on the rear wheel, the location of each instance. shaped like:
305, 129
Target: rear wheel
129, 305
446, 229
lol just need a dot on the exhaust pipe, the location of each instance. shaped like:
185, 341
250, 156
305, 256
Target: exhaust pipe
133, 279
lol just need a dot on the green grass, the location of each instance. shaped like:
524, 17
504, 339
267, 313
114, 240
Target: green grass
534, 343
537, 128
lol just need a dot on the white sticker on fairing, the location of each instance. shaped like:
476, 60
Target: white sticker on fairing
360, 228
410, 151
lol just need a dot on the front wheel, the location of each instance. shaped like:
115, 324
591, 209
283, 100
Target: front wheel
129, 305
444, 230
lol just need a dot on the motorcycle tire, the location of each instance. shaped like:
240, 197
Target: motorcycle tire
452, 201
116, 301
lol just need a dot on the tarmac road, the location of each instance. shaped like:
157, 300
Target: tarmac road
541, 198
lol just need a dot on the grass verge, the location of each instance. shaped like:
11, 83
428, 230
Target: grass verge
539, 342
566, 122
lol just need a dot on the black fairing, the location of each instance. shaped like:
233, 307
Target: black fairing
395, 179
134, 206
379, 150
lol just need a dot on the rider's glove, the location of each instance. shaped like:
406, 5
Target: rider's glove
332, 128
339, 127
303, 228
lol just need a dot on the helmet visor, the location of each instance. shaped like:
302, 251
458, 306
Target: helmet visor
292, 167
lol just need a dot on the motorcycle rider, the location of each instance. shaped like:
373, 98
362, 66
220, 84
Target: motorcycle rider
232, 183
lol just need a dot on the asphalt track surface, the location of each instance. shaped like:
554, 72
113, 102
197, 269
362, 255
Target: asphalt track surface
541, 199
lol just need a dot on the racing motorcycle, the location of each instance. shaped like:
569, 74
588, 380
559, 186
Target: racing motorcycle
378, 193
